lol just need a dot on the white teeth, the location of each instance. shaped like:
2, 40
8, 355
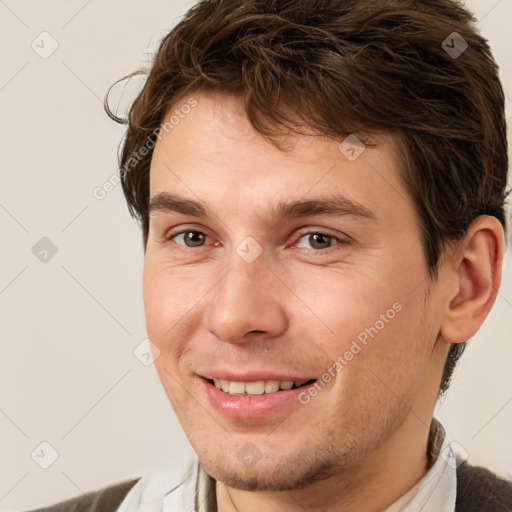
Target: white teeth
255, 388
236, 388
271, 386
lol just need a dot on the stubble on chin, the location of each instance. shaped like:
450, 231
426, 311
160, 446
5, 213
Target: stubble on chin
290, 473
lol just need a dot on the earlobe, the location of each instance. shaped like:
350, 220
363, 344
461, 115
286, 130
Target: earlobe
478, 273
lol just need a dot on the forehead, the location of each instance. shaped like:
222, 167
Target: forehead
213, 152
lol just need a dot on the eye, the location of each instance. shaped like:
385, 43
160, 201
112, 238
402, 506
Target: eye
190, 238
318, 240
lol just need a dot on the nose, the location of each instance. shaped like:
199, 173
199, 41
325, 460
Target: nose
247, 303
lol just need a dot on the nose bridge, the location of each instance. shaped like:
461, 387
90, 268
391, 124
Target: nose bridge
246, 299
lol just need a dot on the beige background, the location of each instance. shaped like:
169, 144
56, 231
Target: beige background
69, 326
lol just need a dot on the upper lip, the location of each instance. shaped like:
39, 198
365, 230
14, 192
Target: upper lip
253, 376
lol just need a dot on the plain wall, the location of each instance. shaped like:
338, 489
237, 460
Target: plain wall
69, 325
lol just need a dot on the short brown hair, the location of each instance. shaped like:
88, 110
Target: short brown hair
340, 67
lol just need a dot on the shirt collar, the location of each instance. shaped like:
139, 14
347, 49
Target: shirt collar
437, 489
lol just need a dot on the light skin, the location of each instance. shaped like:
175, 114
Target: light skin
299, 305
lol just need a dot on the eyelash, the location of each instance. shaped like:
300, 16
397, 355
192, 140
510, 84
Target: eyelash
301, 235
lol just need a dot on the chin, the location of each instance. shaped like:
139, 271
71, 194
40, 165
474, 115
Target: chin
286, 475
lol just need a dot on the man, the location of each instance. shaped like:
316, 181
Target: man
321, 190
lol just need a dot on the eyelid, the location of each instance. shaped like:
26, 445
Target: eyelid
183, 228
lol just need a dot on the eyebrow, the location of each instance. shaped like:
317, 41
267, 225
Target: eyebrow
336, 205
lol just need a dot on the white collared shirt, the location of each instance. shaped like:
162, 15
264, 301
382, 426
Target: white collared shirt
173, 488
437, 489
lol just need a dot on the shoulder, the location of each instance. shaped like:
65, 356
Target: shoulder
479, 489
103, 500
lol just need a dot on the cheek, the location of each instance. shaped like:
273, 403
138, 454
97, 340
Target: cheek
346, 308
169, 304
168, 326
367, 325
389, 366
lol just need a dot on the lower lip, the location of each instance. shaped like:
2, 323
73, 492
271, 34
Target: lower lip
247, 407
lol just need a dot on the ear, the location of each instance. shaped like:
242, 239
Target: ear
476, 265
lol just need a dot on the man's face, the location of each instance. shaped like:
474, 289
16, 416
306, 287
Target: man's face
245, 294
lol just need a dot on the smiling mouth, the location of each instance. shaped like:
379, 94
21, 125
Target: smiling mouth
259, 387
